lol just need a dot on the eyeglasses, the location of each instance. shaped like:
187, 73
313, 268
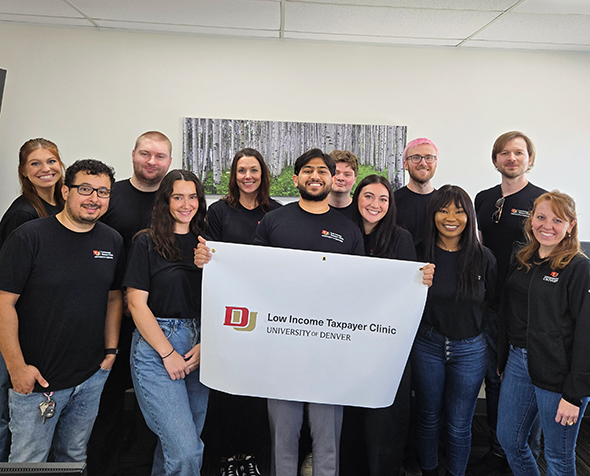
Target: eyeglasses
416, 159
87, 190
499, 207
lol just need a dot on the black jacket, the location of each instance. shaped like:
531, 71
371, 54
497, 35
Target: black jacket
558, 333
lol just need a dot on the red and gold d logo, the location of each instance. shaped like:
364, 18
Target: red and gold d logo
240, 318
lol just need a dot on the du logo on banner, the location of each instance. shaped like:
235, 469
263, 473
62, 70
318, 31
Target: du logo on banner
240, 318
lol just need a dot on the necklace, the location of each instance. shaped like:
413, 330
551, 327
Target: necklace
442, 246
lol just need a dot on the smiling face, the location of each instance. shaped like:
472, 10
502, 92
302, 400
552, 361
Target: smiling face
450, 222
373, 203
42, 169
151, 160
548, 228
513, 160
184, 203
314, 181
344, 179
248, 175
421, 172
85, 210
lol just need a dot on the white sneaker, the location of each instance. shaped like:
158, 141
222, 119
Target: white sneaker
306, 466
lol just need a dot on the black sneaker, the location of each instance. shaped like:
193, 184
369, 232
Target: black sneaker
229, 466
490, 464
248, 466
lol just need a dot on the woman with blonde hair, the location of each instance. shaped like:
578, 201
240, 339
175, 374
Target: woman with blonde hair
544, 343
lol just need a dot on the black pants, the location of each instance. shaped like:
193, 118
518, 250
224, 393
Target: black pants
373, 439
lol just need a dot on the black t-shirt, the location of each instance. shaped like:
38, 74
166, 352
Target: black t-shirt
294, 228
235, 225
346, 211
462, 318
130, 210
517, 306
19, 212
500, 237
411, 211
174, 287
403, 247
63, 279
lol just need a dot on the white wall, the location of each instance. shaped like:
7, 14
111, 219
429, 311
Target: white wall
94, 92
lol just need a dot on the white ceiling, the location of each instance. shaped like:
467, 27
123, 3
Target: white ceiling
512, 24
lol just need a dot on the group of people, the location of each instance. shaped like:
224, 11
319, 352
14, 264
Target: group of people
507, 303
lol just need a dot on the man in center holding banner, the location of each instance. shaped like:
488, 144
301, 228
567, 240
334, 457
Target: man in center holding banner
309, 224
298, 346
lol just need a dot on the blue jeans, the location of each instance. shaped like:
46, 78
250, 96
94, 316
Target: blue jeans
447, 377
69, 429
493, 382
4, 431
520, 404
173, 409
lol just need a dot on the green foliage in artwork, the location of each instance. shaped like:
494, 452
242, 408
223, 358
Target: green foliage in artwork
220, 189
283, 186
365, 170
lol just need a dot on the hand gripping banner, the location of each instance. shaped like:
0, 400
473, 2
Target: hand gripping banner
308, 326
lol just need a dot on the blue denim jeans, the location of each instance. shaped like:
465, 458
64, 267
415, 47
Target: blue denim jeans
69, 429
492, 388
447, 377
521, 403
4, 431
173, 409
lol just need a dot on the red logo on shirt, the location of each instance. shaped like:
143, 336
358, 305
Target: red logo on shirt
96, 252
554, 274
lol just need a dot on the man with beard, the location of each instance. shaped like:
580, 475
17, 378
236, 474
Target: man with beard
501, 212
309, 224
133, 199
60, 314
130, 211
411, 201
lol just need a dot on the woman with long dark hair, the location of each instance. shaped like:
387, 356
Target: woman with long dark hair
544, 343
237, 426
234, 218
40, 172
373, 440
449, 355
163, 293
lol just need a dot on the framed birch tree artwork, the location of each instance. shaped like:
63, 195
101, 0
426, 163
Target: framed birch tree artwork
209, 146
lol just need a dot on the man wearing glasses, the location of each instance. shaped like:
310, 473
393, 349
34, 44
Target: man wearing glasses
501, 212
60, 313
411, 201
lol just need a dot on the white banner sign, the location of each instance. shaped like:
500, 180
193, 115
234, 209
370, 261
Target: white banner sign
307, 326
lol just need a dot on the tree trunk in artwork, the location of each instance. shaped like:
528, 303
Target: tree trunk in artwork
275, 147
284, 146
399, 157
330, 138
206, 147
391, 165
233, 141
216, 153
